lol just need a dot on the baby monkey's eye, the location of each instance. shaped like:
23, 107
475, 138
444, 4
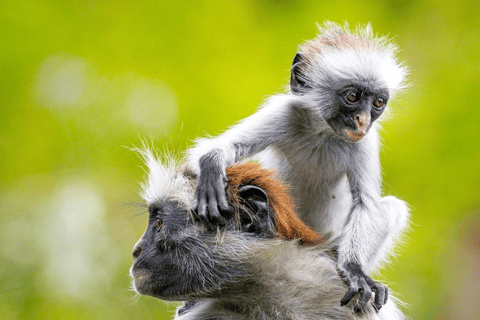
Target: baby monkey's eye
353, 96
379, 102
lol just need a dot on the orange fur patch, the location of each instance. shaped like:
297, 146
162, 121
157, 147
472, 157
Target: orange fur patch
287, 223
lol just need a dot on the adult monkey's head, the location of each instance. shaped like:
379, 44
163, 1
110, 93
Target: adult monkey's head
175, 260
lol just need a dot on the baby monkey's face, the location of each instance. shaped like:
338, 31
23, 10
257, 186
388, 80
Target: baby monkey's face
357, 107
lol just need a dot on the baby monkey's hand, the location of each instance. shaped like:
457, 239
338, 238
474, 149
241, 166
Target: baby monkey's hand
210, 195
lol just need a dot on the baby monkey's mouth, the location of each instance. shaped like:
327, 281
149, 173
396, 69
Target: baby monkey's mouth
348, 129
355, 135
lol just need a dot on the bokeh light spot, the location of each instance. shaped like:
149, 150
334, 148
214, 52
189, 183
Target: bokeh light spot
62, 81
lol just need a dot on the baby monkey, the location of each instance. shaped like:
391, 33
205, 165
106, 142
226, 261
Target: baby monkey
322, 140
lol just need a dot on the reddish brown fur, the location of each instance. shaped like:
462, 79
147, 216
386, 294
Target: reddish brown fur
287, 223
337, 40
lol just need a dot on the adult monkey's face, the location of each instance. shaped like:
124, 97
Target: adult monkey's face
177, 258
154, 256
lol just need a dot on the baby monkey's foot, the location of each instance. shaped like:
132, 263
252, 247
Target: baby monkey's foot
359, 283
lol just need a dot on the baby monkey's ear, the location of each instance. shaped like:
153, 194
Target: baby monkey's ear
258, 219
298, 84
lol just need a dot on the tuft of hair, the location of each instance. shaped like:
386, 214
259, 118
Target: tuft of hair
339, 53
287, 224
165, 181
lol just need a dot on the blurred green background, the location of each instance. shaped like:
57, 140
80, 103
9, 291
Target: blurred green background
83, 80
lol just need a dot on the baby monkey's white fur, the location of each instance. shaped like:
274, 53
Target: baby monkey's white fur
335, 183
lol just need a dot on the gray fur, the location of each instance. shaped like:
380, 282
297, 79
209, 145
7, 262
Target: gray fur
235, 275
287, 282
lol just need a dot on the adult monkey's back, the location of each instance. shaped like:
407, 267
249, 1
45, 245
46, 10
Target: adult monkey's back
322, 139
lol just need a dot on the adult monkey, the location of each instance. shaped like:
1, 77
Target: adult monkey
316, 138
250, 270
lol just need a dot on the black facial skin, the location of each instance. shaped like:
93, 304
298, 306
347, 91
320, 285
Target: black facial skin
174, 259
355, 106
153, 259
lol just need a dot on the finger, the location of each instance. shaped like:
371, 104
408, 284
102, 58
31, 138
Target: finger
208, 224
379, 296
222, 200
202, 206
214, 215
220, 187
230, 211
365, 296
348, 296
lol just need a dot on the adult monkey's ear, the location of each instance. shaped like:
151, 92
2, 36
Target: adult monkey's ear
297, 78
259, 219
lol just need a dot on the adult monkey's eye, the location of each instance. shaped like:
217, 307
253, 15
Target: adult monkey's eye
158, 223
379, 102
352, 97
